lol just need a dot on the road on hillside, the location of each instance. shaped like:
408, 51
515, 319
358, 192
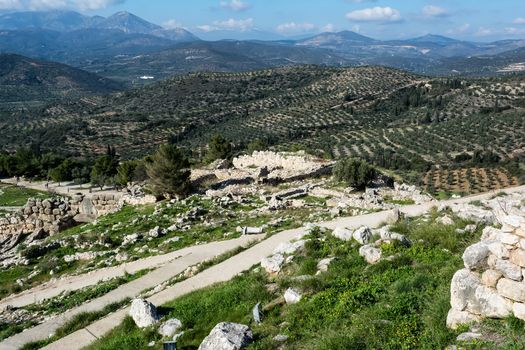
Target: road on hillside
220, 273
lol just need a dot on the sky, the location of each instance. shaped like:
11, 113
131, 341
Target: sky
479, 20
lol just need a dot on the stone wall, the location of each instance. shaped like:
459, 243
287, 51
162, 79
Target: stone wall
492, 282
57, 214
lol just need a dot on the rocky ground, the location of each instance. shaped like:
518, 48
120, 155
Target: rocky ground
267, 193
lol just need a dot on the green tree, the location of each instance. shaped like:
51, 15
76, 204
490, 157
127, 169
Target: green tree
219, 148
168, 172
126, 172
104, 170
256, 145
63, 172
354, 172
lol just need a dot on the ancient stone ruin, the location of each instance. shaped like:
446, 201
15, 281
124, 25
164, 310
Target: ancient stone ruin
492, 282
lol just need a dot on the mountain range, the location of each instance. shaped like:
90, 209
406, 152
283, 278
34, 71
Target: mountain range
128, 48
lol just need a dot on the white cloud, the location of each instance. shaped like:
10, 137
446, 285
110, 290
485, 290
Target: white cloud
230, 24
294, 28
328, 28
514, 31
171, 24
10, 4
483, 31
462, 29
375, 14
434, 11
235, 5
519, 20
56, 4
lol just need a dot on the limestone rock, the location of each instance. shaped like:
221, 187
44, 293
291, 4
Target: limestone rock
463, 289
170, 327
511, 289
143, 313
342, 233
291, 296
363, 235
227, 336
456, 318
519, 310
371, 254
288, 248
509, 270
323, 264
490, 278
489, 303
469, 336
273, 264
517, 257
476, 255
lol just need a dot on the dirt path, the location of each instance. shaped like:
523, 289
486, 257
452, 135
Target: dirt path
218, 273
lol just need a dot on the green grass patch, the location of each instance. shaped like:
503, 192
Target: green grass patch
14, 196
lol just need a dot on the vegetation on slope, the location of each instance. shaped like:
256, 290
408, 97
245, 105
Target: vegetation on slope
399, 303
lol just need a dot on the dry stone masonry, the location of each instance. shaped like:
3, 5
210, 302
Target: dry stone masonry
492, 282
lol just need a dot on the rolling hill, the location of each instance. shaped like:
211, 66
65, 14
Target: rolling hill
27, 80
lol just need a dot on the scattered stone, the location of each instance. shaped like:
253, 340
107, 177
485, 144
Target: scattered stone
256, 312
227, 336
371, 254
322, 265
363, 235
280, 338
291, 296
170, 327
445, 220
288, 248
469, 336
456, 318
143, 313
273, 264
342, 233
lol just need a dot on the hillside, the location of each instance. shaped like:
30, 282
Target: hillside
397, 120
25, 80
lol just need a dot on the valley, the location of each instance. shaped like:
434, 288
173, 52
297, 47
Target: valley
237, 175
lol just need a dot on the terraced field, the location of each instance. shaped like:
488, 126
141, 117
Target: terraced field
384, 115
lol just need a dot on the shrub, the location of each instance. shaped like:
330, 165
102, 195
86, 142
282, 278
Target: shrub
354, 172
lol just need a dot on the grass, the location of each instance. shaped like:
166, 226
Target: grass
14, 196
400, 303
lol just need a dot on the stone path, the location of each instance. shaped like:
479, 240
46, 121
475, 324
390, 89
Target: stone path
225, 271
70, 283
183, 259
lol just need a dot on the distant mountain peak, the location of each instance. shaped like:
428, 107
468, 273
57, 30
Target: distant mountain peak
434, 38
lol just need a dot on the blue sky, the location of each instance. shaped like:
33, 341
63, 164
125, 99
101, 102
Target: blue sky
480, 20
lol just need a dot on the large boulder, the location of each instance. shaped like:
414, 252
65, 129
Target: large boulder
288, 248
227, 336
143, 313
509, 270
